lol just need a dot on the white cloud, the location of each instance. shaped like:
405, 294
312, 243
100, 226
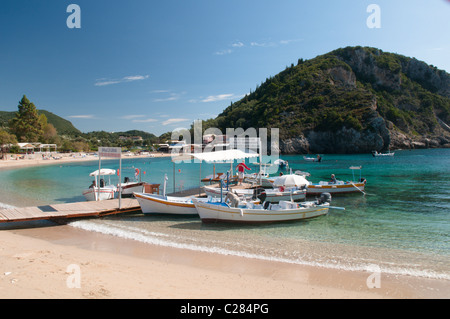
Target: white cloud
160, 91
263, 44
129, 78
88, 116
223, 52
144, 121
290, 41
175, 120
172, 96
135, 77
221, 97
130, 117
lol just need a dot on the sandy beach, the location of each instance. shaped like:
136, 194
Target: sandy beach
45, 262
54, 261
13, 161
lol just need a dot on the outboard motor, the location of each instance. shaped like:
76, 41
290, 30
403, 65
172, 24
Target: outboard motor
324, 198
257, 191
262, 197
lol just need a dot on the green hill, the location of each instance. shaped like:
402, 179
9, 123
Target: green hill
354, 99
63, 126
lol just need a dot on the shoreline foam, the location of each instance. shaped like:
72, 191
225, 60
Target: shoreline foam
165, 240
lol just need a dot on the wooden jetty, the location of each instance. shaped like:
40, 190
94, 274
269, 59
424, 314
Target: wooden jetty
79, 209
69, 210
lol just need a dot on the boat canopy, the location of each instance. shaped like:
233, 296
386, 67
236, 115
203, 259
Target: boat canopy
217, 156
103, 171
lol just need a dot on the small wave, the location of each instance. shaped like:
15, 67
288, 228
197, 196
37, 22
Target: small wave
161, 239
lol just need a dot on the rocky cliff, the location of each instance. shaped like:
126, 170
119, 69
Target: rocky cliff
351, 100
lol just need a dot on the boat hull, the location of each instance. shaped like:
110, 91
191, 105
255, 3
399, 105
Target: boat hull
105, 193
272, 195
220, 212
316, 189
159, 204
129, 188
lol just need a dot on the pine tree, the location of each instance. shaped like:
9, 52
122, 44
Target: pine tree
26, 125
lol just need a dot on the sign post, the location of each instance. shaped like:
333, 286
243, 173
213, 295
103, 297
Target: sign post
114, 152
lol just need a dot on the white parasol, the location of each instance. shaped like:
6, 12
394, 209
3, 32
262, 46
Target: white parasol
290, 180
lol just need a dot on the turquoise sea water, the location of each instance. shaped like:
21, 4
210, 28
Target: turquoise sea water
401, 225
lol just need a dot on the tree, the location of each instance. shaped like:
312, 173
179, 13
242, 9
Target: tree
6, 140
49, 133
26, 125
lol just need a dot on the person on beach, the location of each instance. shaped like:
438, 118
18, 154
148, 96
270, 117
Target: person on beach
241, 167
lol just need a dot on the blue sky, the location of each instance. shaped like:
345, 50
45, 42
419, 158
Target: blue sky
160, 65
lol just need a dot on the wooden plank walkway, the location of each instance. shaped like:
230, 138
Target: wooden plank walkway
69, 210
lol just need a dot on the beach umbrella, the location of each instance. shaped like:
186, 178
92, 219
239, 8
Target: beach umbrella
290, 180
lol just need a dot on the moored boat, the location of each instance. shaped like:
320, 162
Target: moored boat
273, 195
338, 187
99, 189
261, 213
128, 187
161, 204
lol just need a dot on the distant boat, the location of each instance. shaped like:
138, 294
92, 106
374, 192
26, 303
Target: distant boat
377, 154
313, 159
282, 164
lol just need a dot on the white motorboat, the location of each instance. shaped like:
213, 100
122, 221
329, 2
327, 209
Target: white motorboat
377, 154
313, 159
338, 187
286, 187
128, 187
249, 212
100, 190
282, 164
161, 204
273, 195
